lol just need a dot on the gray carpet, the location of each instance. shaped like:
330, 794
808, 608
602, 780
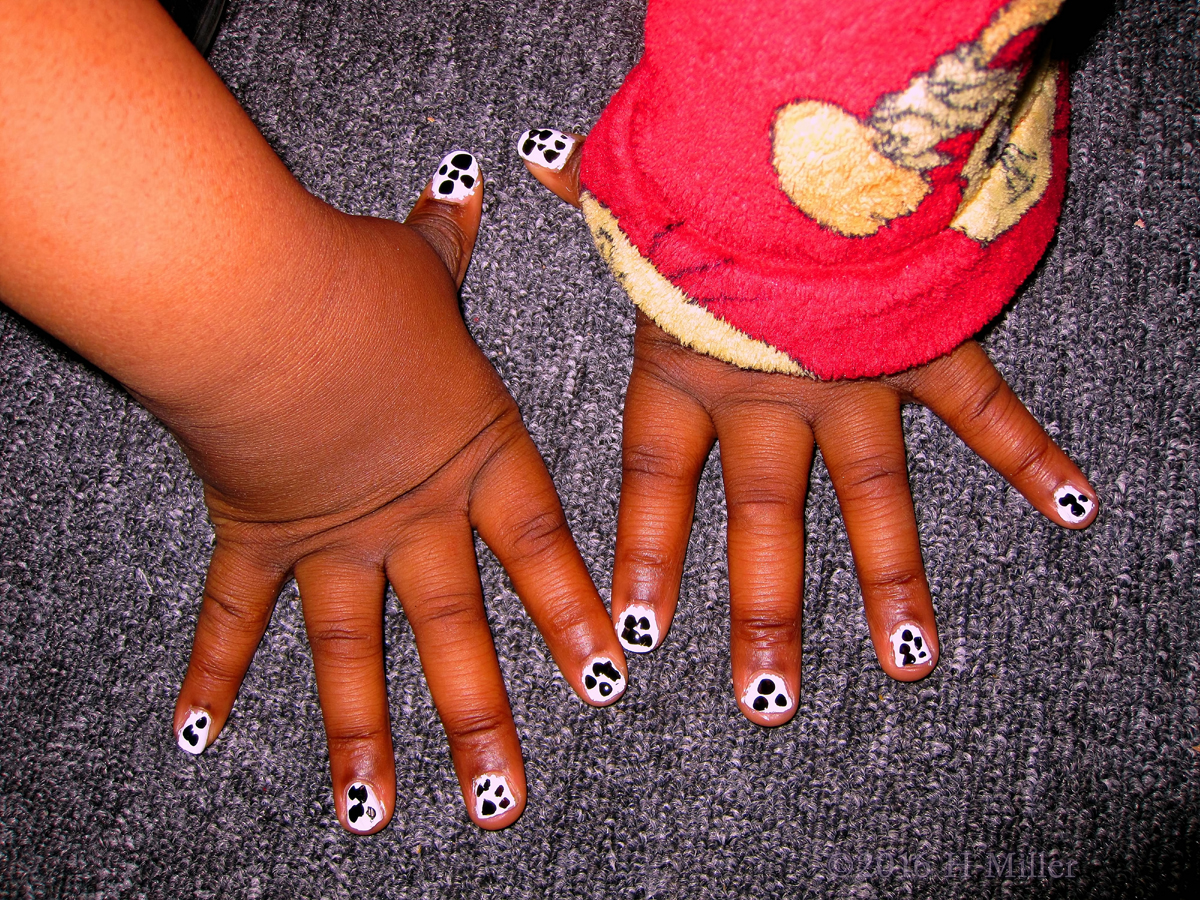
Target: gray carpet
1061, 722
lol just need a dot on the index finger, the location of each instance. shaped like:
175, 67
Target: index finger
517, 512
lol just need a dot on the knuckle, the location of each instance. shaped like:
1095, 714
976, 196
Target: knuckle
648, 557
984, 405
875, 476
346, 641
764, 630
893, 584
1033, 457
442, 234
228, 613
352, 739
763, 503
537, 535
214, 670
448, 612
475, 730
658, 462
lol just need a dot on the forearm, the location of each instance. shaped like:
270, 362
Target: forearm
143, 219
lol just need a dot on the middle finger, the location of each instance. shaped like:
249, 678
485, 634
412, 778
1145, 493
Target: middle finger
766, 454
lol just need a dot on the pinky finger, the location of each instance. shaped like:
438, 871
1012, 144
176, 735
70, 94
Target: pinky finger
239, 594
968, 394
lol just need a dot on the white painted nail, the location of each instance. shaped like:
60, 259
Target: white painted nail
457, 177
909, 646
637, 629
493, 796
768, 693
602, 680
1073, 504
193, 736
363, 809
546, 147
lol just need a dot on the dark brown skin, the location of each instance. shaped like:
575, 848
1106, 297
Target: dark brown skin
679, 402
313, 366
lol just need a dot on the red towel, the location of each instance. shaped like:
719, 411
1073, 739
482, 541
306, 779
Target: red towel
840, 189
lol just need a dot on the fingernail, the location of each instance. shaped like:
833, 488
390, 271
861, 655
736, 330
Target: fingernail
909, 646
768, 693
637, 629
546, 147
193, 736
363, 809
602, 680
493, 796
456, 178
1073, 504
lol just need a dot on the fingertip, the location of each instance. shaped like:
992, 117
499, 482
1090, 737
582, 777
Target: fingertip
1075, 506
604, 680
194, 728
494, 799
638, 629
448, 212
553, 158
362, 809
909, 652
767, 699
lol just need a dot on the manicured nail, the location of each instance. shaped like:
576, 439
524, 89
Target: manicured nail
193, 736
909, 646
1073, 504
363, 809
456, 177
546, 147
768, 693
637, 629
493, 796
602, 680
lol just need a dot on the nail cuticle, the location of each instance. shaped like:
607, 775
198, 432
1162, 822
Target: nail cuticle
456, 177
193, 736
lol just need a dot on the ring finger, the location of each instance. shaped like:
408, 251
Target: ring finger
766, 454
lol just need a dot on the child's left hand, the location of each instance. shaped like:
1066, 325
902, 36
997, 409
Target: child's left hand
680, 401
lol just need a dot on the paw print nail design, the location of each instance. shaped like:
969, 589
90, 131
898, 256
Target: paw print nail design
1073, 505
768, 693
193, 736
602, 680
456, 177
492, 795
363, 810
909, 646
546, 147
637, 629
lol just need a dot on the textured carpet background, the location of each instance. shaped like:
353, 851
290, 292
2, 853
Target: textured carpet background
1061, 720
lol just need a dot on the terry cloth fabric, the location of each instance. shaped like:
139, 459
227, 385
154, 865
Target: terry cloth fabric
832, 189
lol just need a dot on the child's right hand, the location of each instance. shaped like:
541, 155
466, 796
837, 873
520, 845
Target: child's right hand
679, 402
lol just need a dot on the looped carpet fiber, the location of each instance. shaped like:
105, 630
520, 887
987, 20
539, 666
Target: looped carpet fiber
1058, 736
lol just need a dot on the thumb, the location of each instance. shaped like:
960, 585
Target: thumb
553, 158
448, 211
